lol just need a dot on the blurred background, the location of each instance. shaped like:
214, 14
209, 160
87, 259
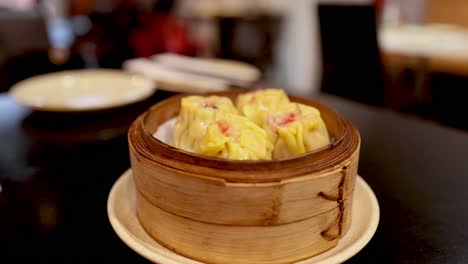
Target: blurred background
411, 56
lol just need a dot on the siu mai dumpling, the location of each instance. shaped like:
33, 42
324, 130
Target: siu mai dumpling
235, 137
294, 129
196, 114
257, 105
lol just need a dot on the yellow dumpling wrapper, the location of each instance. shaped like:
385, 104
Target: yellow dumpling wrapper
294, 129
257, 105
235, 137
196, 114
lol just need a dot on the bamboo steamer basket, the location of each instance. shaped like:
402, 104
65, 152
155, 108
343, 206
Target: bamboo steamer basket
225, 211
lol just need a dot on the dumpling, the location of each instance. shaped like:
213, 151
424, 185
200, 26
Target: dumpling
257, 105
196, 114
265, 125
294, 129
235, 137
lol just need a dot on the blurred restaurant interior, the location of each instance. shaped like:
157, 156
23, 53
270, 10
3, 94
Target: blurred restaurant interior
405, 59
406, 55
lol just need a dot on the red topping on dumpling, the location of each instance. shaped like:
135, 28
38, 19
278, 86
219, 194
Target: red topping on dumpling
286, 119
223, 126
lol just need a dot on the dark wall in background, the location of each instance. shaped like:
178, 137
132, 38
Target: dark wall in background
351, 62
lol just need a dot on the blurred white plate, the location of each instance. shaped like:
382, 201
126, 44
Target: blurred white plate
173, 80
234, 71
82, 90
122, 214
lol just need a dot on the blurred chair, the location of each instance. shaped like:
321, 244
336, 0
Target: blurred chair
20, 32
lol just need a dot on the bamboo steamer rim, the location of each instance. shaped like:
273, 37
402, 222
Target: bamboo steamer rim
345, 141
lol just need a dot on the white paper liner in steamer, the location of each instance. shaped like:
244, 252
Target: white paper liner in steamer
164, 132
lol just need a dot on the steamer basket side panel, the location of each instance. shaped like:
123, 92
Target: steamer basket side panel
214, 243
213, 200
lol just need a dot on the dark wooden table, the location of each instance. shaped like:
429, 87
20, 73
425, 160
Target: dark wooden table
56, 172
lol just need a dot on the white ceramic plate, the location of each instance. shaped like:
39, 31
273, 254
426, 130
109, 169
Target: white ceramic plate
82, 90
238, 72
122, 215
172, 80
